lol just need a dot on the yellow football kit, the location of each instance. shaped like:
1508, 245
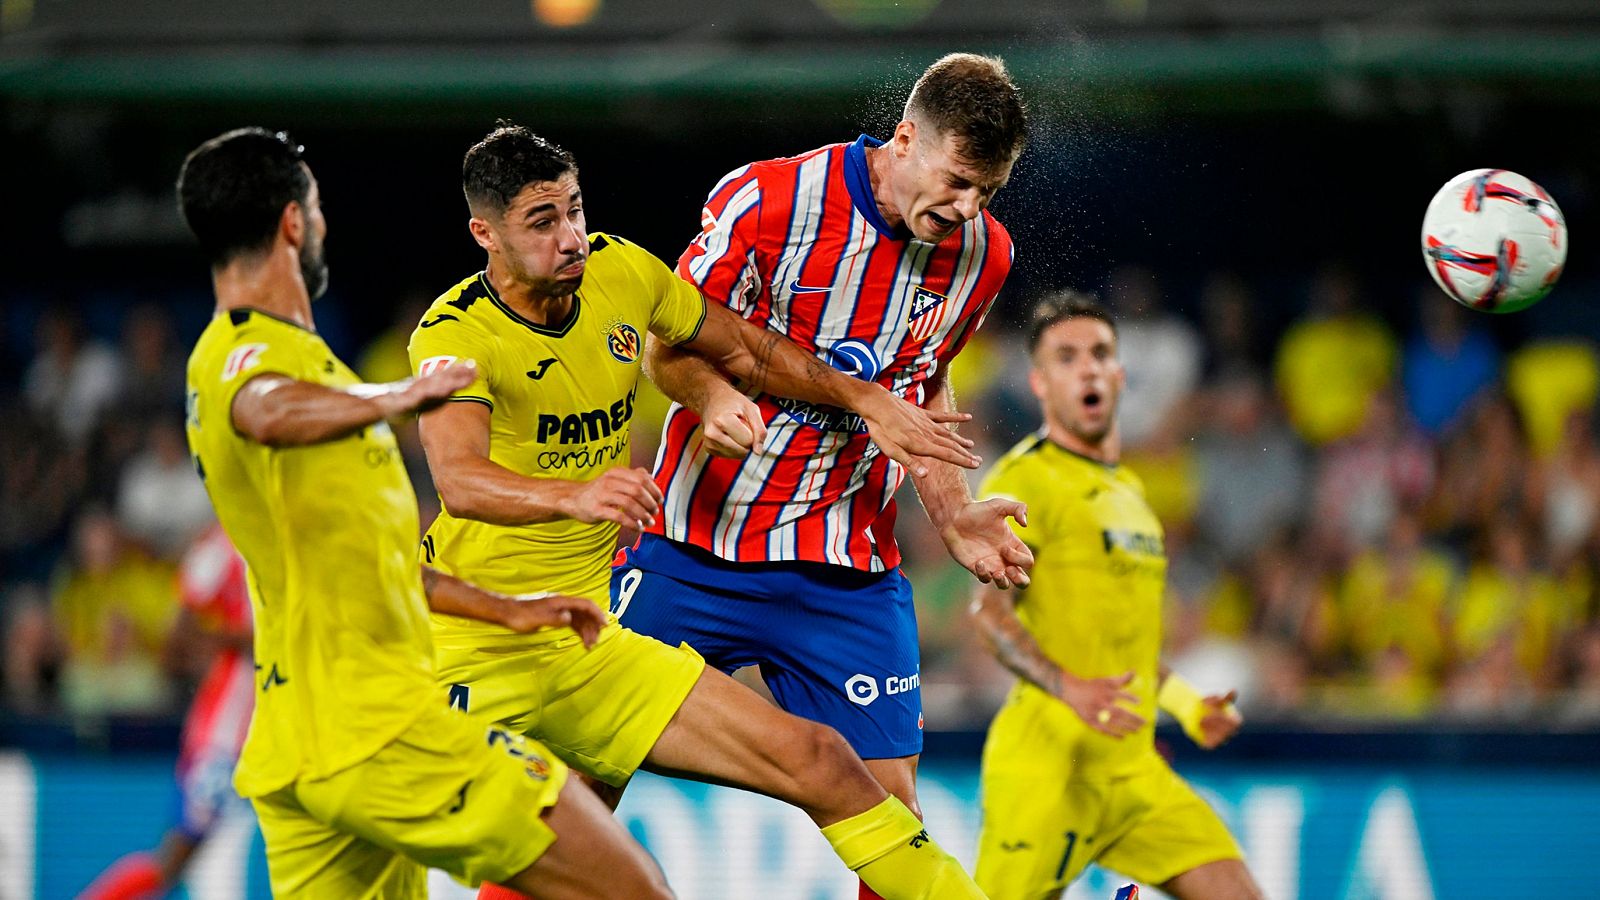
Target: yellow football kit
560, 400
350, 758
1057, 794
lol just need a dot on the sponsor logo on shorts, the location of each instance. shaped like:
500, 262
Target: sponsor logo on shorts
518, 747
861, 689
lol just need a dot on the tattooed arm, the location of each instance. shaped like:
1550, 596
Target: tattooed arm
1099, 702
768, 362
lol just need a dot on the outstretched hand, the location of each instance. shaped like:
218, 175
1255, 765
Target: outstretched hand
979, 538
1220, 721
531, 612
427, 391
916, 437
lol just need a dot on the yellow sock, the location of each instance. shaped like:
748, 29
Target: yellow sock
894, 856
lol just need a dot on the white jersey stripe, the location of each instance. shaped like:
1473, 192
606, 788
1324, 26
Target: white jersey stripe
718, 240
752, 476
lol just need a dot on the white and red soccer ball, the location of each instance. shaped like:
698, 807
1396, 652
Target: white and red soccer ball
1494, 240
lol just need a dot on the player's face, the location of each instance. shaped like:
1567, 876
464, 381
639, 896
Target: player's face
542, 239
313, 261
939, 190
1078, 378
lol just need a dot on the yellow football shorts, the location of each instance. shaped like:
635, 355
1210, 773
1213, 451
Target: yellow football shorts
451, 792
1044, 821
599, 708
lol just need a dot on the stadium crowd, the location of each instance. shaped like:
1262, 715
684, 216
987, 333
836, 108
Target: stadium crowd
1368, 518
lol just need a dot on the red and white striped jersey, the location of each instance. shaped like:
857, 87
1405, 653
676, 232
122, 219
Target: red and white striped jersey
797, 245
213, 584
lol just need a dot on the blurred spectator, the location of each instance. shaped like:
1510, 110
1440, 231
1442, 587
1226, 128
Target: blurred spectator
1580, 708
72, 379
1482, 469
1252, 478
1564, 491
1231, 334
41, 484
1510, 597
1161, 352
153, 382
1334, 361
1366, 480
113, 607
33, 649
1549, 381
1284, 688
385, 358
161, 501
1396, 599
1491, 685
1447, 363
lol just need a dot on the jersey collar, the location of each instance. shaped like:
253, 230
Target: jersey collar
859, 184
546, 330
1043, 440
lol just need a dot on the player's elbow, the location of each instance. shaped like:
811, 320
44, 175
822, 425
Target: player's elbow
457, 499
270, 427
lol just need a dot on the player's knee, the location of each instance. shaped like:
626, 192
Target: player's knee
823, 762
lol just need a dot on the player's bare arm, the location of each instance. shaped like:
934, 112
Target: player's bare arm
1208, 719
731, 422
523, 614
279, 411
975, 532
771, 363
1102, 703
455, 437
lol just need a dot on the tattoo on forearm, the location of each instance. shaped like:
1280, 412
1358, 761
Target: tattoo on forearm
1016, 649
762, 365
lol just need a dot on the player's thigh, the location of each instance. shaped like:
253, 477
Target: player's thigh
495, 683
593, 857
453, 793
603, 708
1040, 829
851, 661
1166, 828
308, 858
725, 733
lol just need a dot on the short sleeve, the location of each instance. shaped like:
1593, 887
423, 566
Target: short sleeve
677, 310
254, 351
441, 341
721, 262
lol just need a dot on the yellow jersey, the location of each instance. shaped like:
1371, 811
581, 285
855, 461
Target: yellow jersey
344, 660
1099, 577
560, 401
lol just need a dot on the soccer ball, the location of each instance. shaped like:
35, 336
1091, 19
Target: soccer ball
1494, 241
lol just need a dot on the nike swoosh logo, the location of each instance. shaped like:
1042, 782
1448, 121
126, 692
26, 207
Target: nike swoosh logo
442, 317
795, 287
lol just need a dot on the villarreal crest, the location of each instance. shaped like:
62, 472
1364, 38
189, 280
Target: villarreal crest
927, 311
623, 342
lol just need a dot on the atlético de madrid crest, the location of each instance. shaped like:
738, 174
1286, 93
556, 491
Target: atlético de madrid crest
927, 311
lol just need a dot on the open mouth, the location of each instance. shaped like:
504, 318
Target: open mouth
940, 222
1091, 400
